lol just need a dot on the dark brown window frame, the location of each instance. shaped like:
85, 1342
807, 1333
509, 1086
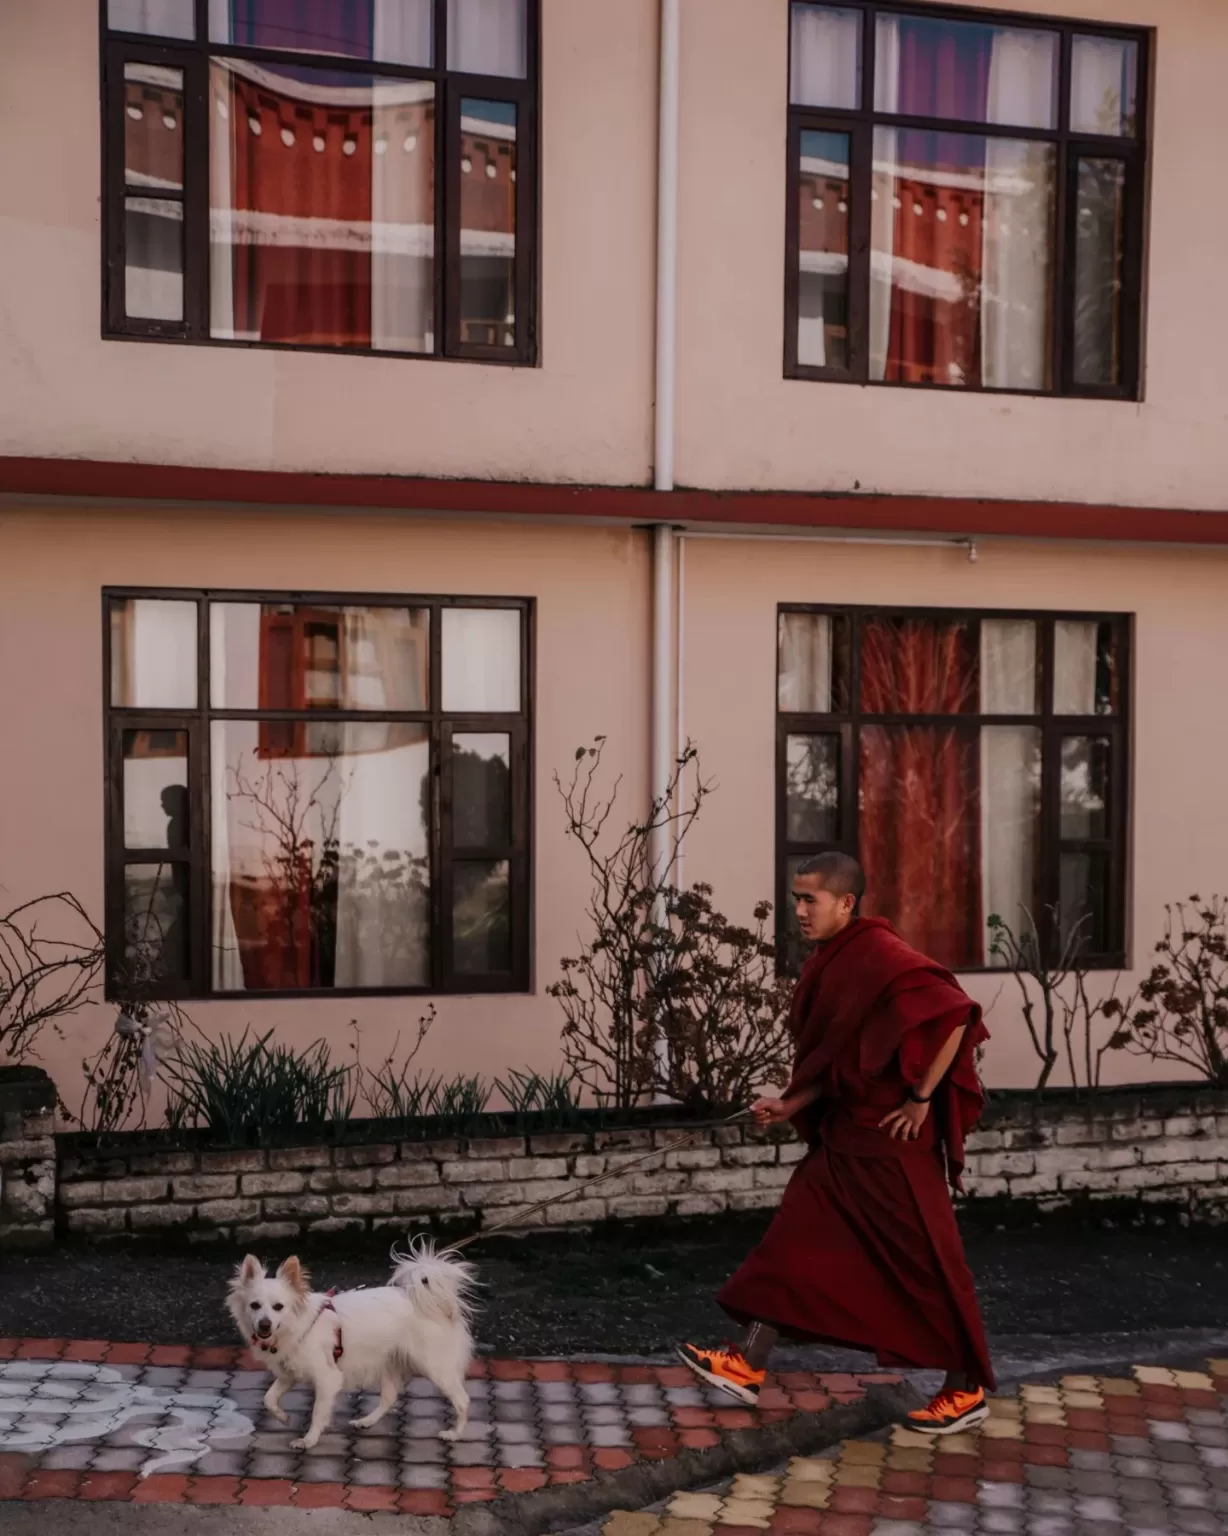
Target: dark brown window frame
1053, 727
451, 86
441, 724
859, 126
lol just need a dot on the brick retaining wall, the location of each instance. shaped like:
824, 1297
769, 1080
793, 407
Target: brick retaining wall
1165, 1146
27, 1159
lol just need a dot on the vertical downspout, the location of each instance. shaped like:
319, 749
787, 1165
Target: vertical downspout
662, 747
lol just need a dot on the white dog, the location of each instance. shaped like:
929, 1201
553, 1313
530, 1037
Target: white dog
417, 1325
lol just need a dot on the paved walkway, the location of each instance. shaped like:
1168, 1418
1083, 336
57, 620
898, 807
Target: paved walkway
1145, 1455
98, 1421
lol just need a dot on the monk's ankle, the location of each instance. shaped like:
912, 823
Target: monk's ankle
761, 1339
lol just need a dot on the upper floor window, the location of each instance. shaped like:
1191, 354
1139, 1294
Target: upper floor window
966, 201
356, 175
974, 762
316, 794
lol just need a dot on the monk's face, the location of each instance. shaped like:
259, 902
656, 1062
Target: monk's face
820, 914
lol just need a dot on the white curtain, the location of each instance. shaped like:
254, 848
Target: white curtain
1017, 227
825, 55
153, 654
1074, 667
882, 206
481, 660
1010, 794
1098, 76
1008, 667
161, 18
403, 32
488, 37
403, 219
804, 663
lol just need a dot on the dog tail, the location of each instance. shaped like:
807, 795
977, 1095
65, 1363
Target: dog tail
440, 1285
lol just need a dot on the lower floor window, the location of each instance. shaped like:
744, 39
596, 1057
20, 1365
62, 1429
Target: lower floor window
974, 763
316, 793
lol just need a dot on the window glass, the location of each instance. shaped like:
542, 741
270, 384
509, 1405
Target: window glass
481, 918
488, 37
825, 56
385, 31
823, 251
157, 18
1010, 667
481, 660
1085, 787
1104, 86
812, 789
156, 805
1099, 278
488, 223
481, 790
153, 127
969, 71
812, 663
1085, 671
153, 653
155, 924
918, 667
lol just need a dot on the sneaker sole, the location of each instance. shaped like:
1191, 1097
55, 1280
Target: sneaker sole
743, 1394
967, 1420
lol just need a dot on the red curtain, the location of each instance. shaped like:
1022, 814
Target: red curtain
919, 800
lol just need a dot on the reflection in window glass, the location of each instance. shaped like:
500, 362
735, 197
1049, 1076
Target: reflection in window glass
825, 57
489, 37
1009, 830
918, 667
153, 127
1104, 86
155, 18
970, 71
318, 656
812, 789
322, 221
823, 251
155, 923
156, 807
320, 855
1099, 276
481, 918
811, 664
488, 223
385, 31
1085, 787
1085, 677
961, 259
153, 259
153, 653
481, 790
481, 660
1083, 903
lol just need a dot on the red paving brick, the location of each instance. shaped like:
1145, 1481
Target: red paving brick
92, 1351
473, 1477
319, 1495
161, 1488
41, 1349
128, 1354
214, 1490
371, 1500
525, 1479
14, 1469
423, 1501
107, 1485
854, 1501
51, 1485
267, 1492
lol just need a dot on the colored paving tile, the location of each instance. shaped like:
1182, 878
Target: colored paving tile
1145, 1455
99, 1421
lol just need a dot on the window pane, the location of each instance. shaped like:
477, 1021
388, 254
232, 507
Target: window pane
153, 127
961, 260
1010, 670
823, 251
1085, 672
320, 855
1085, 786
1084, 902
481, 790
1009, 829
481, 918
825, 57
309, 656
1100, 218
387, 31
322, 208
1104, 86
153, 653
153, 259
488, 223
157, 18
919, 797
156, 811
918, 667
481, 660
971, 71
812, 655
489, 37
812, 789
155, 923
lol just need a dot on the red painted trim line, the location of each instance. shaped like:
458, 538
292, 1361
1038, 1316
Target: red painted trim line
117, 481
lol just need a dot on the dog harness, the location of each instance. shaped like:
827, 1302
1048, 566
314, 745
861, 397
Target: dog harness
338, 1347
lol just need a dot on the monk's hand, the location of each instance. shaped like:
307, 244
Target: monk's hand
772, 1111
904, 1124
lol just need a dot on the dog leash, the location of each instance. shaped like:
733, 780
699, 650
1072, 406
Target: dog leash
566, 1194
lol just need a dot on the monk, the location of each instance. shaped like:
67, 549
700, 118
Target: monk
864, 1251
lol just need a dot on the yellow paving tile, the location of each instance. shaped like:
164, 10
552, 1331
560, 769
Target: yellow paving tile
1154, 1375
1114, 1386
1193, 1381
628, 1523
967, 1444
1218, 1367
1039, 1394
671, 1526
1083, 1399
747, 1486
811, 1469
694, 1506
806, 1495
863, 1452
1004, 1407
755, 1512
1080, 1384
910, 1460
857, 1475
910, 1439
1002, 1429
1044, 1413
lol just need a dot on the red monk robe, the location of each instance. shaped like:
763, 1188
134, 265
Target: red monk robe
864, 1250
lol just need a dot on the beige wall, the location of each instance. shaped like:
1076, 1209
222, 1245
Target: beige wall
585, 414
592, 590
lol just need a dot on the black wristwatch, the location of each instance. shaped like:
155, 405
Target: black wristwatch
916, 1098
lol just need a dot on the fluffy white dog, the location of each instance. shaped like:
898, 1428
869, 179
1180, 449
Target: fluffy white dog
417, 1325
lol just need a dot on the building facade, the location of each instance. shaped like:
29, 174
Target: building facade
380, 425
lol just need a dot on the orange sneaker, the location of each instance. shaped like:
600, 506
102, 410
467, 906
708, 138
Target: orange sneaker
949, 1413
724, 1368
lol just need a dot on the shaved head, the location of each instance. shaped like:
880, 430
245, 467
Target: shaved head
839, 873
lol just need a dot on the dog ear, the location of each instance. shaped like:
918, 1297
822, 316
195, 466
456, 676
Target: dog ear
295, 1276
249, 1271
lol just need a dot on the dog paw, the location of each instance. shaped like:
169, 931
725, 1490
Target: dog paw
449, 1434
280, 1414
304, 1444
367, 1420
